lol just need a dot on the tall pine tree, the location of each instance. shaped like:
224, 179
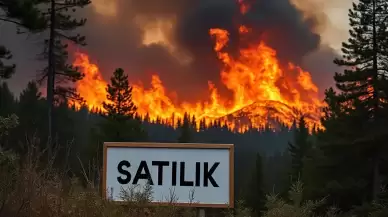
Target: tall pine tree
344, 167
362, 81
31, 102
119, 106
58, 73
7, 100
255, 197
120, 110
298, 149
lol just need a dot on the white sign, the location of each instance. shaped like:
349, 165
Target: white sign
187, 174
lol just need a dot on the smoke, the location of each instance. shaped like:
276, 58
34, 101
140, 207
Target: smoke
171, 38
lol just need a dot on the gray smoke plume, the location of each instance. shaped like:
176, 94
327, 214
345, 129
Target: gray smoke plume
117, 41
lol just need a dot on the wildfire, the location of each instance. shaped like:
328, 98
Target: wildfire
263, 90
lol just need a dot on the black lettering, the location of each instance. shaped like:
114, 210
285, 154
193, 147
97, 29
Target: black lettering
140, 175
124, 172
198, 174
183, 182
173, 174
160, 165
207, 174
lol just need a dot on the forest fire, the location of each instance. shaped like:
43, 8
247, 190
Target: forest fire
264, 91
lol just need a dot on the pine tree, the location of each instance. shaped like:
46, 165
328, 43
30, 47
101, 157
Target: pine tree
120, 110
193, 122
344, 169
255, 195
7, 100
298, 149
179, 122
361, 84
147, 118
58, 72
185, 135
202, 125
30, 102
119, 106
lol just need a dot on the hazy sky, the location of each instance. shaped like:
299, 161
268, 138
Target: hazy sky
337, 30
333, 31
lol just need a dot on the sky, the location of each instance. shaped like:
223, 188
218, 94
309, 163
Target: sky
144, 36
337, 29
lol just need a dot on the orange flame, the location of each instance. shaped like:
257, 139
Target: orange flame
263, 90
93, 87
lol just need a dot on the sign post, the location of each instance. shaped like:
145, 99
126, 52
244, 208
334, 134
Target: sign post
192, 174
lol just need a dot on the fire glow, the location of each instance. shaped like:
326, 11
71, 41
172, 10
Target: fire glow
262, 88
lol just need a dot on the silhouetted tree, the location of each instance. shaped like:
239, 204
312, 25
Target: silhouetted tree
255, 196
185, 134
7, 100
31, 102
298, 149
193, 122
120, 109
202, 125
119, 106
361, 83
58, 72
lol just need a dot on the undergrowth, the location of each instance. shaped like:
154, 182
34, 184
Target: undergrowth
29, 189
31, 186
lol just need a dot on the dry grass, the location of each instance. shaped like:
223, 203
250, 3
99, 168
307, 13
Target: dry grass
29, 189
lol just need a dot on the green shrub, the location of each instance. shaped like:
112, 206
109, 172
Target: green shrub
278, 207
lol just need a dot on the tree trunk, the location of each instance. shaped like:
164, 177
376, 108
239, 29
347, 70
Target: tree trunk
376, 160
51, 70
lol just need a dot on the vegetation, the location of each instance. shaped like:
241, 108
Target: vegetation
255, 196
290, 172
185, 130
120, 123
60, 26
299, 149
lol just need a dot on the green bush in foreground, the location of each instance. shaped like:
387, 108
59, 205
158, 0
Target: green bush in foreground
277, 207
